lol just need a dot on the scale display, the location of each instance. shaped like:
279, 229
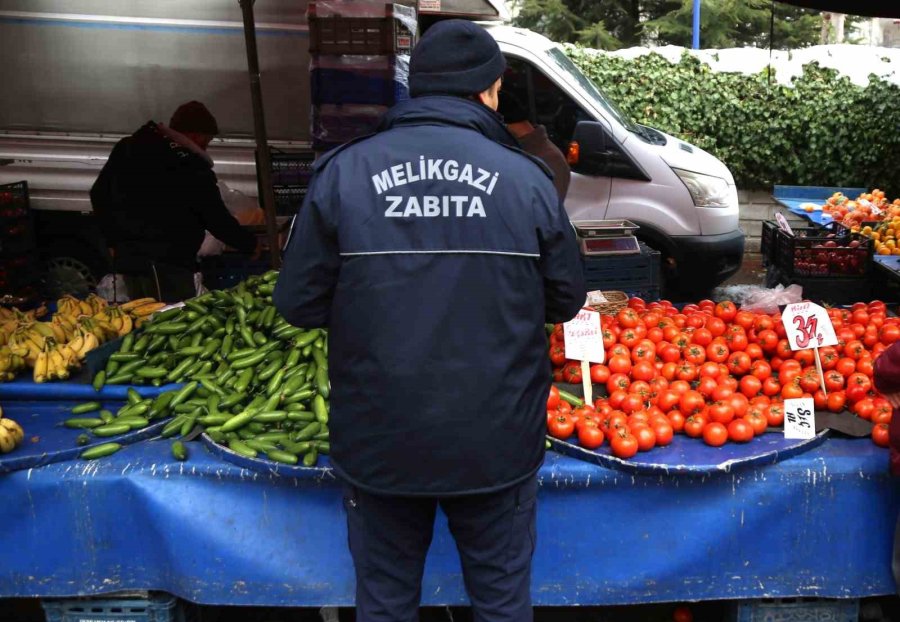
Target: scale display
623, 245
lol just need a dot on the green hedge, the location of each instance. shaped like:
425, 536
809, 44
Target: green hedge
821, 131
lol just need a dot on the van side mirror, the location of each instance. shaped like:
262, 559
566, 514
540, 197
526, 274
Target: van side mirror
589, 150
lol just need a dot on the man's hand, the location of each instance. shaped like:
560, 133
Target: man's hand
894, 399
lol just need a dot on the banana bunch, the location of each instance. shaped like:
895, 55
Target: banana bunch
27, 343
121, 322
141, 309
11, 434
84, 342
10, 364
73, 307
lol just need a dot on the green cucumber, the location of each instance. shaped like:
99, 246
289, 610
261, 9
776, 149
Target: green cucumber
100, 451
86, 407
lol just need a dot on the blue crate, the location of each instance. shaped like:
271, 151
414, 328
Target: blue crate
795, 610
153, 608
624, 273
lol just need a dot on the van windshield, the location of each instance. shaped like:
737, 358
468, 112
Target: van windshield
579, 80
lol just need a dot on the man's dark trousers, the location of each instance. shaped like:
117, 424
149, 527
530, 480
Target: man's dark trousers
495, 536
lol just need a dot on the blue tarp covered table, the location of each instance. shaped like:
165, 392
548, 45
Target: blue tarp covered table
819, 524
792, 197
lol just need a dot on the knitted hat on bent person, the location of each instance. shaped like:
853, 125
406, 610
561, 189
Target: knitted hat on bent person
455, 57
194, 117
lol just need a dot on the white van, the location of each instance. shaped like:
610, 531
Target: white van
131, 62
683, 198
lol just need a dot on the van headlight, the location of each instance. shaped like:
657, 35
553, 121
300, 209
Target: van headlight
706, 190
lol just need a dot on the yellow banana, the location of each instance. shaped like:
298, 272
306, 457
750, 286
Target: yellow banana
90, 342
40, 368
126, 324
70, 356
133, 304
77, 344
147, 309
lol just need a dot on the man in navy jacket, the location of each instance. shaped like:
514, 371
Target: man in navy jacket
435, 251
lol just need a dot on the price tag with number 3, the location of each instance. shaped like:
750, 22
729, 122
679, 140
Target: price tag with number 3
808, 326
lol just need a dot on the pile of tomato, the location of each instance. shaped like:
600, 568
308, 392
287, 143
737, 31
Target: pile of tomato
716, 372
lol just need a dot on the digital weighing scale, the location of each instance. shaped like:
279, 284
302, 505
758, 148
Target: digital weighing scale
606, 237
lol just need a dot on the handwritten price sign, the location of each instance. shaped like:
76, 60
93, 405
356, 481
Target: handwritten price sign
808, 326
799, 418
584, 337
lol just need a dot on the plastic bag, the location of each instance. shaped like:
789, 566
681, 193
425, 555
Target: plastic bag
768, 300
112, 288
246, 211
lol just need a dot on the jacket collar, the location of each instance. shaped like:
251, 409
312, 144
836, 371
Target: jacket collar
449, 111
185, 142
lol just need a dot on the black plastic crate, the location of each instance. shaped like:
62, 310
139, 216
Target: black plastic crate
339, 34
811, 258
832, 290
767, 241
229, 269
16, 220
631, 274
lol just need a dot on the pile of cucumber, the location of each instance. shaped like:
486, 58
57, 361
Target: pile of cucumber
253, 382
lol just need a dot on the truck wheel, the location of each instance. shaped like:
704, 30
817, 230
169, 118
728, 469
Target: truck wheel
69, 269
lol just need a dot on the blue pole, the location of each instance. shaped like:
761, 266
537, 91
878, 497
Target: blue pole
696, 40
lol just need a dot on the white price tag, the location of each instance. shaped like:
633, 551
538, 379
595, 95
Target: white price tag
584, 337
808, 326
596, 297
783, 223
876, 211
799, 418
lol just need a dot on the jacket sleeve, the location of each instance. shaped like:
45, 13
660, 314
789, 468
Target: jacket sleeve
311, 264
887, 370
103, 195
216, 217
561, 266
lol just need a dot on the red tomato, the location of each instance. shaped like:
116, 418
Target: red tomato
715, 434
561, 427
882, 411
866, 366
663, 431
668, 399
863, 408
845, 366
553, 398
751, 386
858, 386
628, 317
691, 403
620, 365
722, 392
820, 400
809, 380
616, 397
783, 349
676, 419
757, 421
645, 437
572, 373
623, 445
717, 352
855, 350
637, 303
710, 369
694, 354
881, 435
739, 403
889, 333
600, 374
834, 381
726, 310
721, 412
590, 436
737, 341
775, 415
740, 431
632, 402
681, 386
693, 426
707, 386
791, 390
686, 371
829, 358
761, 370
557, 355
836, 401
716, 326
702, 337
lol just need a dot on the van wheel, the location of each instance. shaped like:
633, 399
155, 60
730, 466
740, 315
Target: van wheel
70, 268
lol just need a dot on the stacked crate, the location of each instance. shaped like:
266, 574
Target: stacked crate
359, 64
19, 268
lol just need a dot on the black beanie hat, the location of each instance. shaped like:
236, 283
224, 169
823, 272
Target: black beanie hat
194, 117
455, 57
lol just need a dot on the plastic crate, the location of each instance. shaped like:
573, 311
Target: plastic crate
767, 241
16, 220
353, 79
631, 274
225, 271
805, 256
795, 610
152, 608
340, 34
831, 290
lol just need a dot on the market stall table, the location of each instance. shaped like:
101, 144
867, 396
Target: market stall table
793, 197
819, 524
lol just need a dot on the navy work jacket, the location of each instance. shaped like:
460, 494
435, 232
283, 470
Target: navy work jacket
434, 252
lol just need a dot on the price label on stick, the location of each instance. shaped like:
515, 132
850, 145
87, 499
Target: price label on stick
783, 223
807, 326
799, 418
584, 342
584, 337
